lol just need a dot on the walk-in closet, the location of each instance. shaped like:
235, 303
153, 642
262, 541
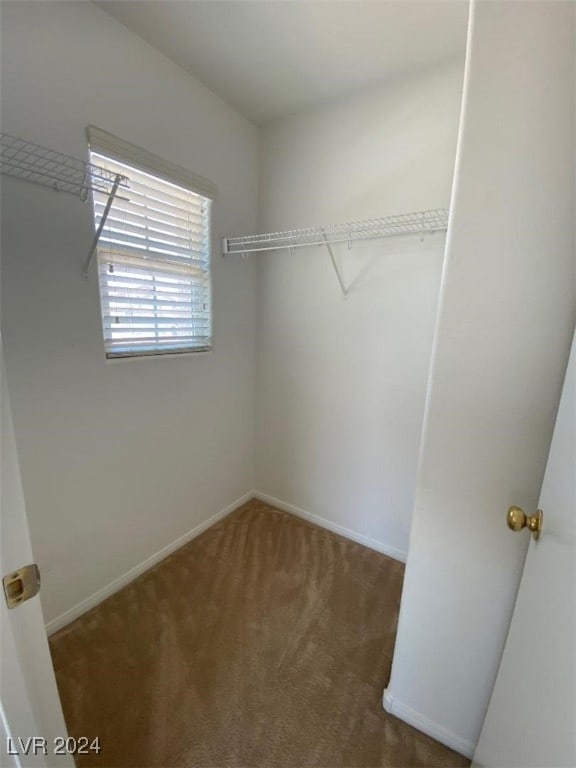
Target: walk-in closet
287, 300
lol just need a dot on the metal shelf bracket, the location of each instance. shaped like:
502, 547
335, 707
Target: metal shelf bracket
101, 225
40, 165
414, 223
335, 265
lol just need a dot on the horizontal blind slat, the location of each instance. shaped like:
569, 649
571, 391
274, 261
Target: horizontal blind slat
143, 340
170, 305
138, 211
177, 321
152, 282
141, 188
146, 239
142, 214
142, 265
158, 209
161, 321
131, 245
152, 197
144, 337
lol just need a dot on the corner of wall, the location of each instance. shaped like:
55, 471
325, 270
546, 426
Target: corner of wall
427, 726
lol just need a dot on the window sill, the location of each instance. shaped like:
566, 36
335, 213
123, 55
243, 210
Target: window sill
159, 355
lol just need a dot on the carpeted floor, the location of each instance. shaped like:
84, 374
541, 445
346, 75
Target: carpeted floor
264, 642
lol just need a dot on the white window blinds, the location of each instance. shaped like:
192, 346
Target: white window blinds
153, 265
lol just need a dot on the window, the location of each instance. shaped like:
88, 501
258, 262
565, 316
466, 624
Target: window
153, 254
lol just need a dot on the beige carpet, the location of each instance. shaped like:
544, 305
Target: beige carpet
264, 642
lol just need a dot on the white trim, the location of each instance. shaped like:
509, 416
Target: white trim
7, 739
427, 726
359, 538
114, 586
124, 151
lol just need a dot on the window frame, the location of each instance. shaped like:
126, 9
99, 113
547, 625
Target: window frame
117, 150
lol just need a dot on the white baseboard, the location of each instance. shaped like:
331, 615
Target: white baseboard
359, 538
427, 726
114, 586
117, 584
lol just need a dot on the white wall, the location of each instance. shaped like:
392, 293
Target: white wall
502, 341
118, 458
341, 384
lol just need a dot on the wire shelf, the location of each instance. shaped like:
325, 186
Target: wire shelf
420, 222
40, 165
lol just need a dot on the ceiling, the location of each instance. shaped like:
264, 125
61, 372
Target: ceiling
270, 58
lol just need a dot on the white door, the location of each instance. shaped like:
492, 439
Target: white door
531, 719
29, 702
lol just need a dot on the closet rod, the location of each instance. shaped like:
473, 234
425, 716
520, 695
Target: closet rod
419, 222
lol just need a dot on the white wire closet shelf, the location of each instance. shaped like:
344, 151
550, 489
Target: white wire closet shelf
49, 168
40, 165
419, 222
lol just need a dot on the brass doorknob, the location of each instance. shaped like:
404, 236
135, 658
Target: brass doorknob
518, 519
